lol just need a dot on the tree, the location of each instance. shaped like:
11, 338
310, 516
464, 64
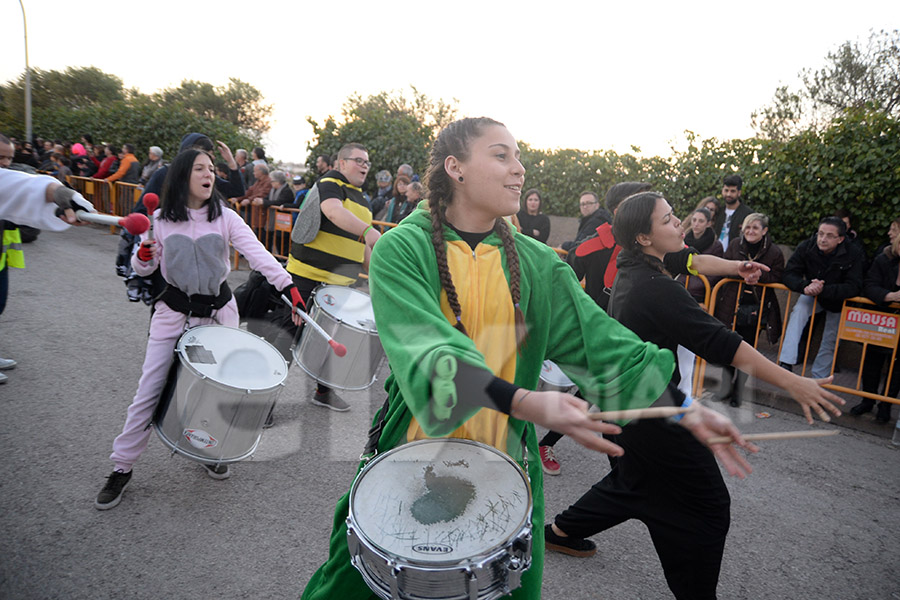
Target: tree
82, 100
394, 129
73, 88
239, 103
852, 77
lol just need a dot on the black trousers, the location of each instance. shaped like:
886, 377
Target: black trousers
672, 484
876, 357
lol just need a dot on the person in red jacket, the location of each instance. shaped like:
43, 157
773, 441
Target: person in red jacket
106, 167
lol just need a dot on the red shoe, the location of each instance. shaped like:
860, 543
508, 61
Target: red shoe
548, 461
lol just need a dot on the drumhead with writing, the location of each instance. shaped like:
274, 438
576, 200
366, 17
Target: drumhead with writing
347, 304
232, 357
440, 500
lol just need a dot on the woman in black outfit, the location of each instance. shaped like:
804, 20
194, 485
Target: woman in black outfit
756, 245
665, 478
534, 223
882, 287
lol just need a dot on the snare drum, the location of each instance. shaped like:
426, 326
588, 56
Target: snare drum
552, 378
218, 395
441, 518
346, 315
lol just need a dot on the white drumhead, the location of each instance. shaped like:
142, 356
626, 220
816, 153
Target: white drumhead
437, 501
232, 357
347, 304
552, 374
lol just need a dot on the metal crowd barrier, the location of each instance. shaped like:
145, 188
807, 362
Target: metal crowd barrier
858, 325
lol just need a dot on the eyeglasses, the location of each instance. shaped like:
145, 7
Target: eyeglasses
827, 236
592, 202
360, 161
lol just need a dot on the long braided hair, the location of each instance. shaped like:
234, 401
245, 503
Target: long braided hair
454, 140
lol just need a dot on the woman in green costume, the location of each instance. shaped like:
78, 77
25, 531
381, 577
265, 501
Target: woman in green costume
467, 310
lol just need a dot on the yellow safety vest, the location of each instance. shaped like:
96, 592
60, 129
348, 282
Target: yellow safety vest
11, 251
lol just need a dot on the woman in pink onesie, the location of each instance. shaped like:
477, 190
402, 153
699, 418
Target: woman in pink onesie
193, 231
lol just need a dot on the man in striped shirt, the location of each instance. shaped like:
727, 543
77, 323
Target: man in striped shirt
345, 239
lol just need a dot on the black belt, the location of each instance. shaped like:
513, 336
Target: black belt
198, 305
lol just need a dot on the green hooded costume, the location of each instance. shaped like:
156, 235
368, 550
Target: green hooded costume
612, 367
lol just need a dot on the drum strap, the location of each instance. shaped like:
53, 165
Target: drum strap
198, 305
371, 448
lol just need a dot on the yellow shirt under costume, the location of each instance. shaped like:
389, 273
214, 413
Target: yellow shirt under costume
489, 317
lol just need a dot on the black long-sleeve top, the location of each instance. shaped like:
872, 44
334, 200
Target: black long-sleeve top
659, 310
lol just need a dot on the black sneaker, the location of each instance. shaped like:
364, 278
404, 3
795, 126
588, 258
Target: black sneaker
862, 408
579, 547
111, 494
330, 400
884, 412
217, 471
785, 365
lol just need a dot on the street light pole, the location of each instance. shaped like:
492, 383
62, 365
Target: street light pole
27, 80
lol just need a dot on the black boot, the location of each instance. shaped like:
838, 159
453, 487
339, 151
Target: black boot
863, 407
740, 383
884, 412
726, 387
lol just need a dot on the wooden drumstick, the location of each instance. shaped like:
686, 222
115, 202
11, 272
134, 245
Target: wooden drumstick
338, 347
778, 435
654, 412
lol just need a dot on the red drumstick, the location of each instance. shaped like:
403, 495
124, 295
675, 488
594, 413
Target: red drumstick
151, 203
339, 348
135, 223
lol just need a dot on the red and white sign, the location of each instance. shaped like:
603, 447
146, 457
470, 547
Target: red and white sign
200, 439
869, 326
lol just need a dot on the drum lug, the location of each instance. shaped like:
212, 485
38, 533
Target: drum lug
395, 575
352, 540
472, 582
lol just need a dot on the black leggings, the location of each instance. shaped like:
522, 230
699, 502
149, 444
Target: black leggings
671, 483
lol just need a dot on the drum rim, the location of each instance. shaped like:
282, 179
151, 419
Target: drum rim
315, 305
179, 350
558, 385
354, 525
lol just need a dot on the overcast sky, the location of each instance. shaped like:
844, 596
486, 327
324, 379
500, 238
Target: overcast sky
560, 74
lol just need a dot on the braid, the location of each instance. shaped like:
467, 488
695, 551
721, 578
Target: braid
453, 140
512, 261
438, 218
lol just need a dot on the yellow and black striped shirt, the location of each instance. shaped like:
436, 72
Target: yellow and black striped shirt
335, 255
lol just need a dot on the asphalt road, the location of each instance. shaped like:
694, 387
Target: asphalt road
817, 519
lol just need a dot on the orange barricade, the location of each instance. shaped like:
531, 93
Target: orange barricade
281, 235
96, 191
383, 225
125, 197
697, 383
860, 325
